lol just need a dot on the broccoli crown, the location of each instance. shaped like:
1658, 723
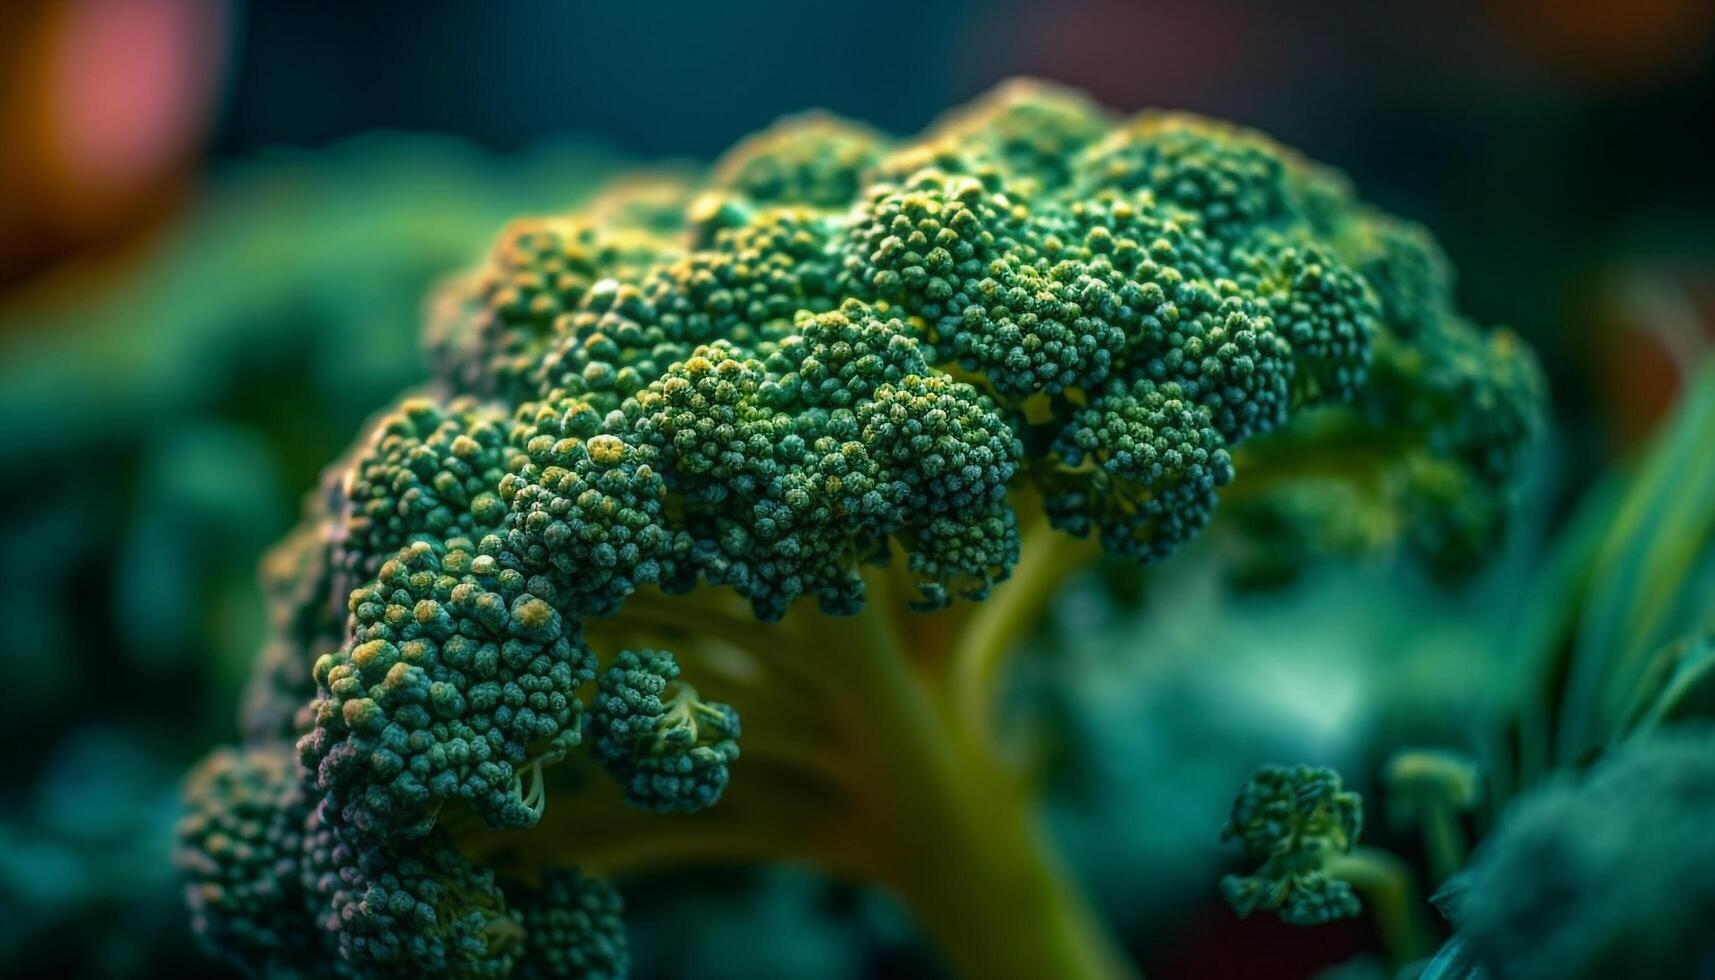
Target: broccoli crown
1604, 874
835, 352
667, 747
1292, 821
844, 348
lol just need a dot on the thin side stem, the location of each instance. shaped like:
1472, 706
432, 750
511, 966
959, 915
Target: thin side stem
1443, 841
1049, 557
1388, 886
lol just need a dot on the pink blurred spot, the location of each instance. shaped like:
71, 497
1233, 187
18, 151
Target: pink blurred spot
132, 86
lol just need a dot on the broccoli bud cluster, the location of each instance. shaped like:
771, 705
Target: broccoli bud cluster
836, 352
668, 748
1292, 821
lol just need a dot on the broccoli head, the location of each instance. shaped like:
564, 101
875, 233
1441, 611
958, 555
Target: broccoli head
841, 376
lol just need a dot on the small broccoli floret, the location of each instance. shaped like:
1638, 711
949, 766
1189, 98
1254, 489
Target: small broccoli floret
1157, 462
586, 509
489, 330
1601, 875
1032, 130
1293, 821
669, 749
748, 284
459, 683
1324, 310
1234, 178
427, 472
952, 455
405, 908
1412, 279
572, 928
814, 159
239, 846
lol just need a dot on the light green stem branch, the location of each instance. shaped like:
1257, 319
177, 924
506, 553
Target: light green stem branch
1390, 889
1443, 841
886, 781
1049, 557
962, 842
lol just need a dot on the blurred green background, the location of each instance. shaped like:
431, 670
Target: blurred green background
218, 221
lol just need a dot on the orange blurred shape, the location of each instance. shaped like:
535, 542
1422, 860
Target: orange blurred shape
1655, 324
1607, 42
104, 103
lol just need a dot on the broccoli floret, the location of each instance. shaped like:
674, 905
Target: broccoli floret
489, 331
671, 750
572, 927
426, 473
1033, 130
1159, 461
1412, 279
1234, 179
240, 842
839, 377
586, 509
277, 883
1604, 874
459, 684
813, 159
1326, 311
1292, 821
405, 908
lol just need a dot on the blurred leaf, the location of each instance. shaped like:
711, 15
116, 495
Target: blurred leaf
1679, 684
1635, 601
1451, 964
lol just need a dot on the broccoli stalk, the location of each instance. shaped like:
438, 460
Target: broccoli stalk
816, 444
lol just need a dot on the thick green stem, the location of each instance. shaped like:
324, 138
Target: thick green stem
963, 845
974, 865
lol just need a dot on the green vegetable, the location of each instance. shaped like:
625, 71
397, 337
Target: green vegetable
816, 442
1293, 822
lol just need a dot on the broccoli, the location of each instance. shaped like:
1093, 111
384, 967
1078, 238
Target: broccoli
1602, 874
1293, 822
815, 442
1299, 826
670, 753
